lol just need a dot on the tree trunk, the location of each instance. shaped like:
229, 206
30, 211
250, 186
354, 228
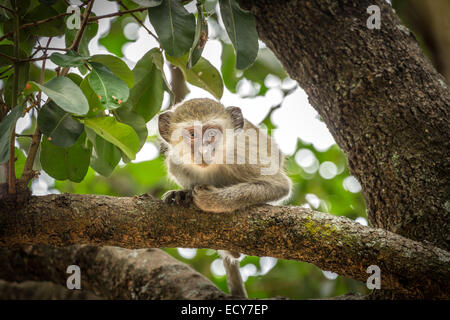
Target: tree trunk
383, 101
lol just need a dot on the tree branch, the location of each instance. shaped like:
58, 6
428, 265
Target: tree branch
37, 290
106, 271
332, 243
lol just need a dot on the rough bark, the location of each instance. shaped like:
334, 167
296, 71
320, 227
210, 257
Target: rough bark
45, 290
109, 272
332, 243
382, 100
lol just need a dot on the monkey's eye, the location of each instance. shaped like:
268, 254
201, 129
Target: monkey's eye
191, 134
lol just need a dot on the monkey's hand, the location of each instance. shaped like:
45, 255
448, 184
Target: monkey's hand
211, 199
179, 197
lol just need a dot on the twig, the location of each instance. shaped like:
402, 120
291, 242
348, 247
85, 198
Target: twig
11, 165
115, 14
7, 9
28, 173
55, 49
76, 42
36, 23
139, 21
7, 57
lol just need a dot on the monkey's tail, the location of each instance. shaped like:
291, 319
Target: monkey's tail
234, 279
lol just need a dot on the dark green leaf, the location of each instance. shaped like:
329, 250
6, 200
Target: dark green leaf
20, 162
174, 25
75, 78
119, 134
106, 156
65, 163
95, 106
59, 125
202, 75
201, 35
6, 127
158, 61
241, 29
135, 121
70, 59
66, 94
112, 90
117, 66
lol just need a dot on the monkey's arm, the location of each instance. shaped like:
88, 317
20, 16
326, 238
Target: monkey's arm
230, 198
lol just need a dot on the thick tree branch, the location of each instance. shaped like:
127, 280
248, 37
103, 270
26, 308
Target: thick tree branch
37, 290
110, 272
332, 243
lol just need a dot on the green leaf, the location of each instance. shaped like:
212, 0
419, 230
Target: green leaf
229, 72
202, 75
66, 94
95, 106
241, 28
119, 134
65, 163
49, 29
147, 3
20, 162
117, 66
75, 78
201, 35
59, 125
135, 121
106, 156
70, 59
158, 60
112, 90
6, 127
147, 94
174, 25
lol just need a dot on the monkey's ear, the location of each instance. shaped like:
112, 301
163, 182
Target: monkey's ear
164, 125
236, 117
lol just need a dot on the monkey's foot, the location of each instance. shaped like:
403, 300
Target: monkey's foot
179, 197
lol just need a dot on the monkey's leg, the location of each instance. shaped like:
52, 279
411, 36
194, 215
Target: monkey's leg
228, 199
234, 279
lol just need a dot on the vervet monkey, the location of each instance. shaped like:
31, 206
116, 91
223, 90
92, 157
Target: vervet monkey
222, 162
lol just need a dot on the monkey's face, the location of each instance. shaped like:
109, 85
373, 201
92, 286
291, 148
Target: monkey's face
198, 132
199, 143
